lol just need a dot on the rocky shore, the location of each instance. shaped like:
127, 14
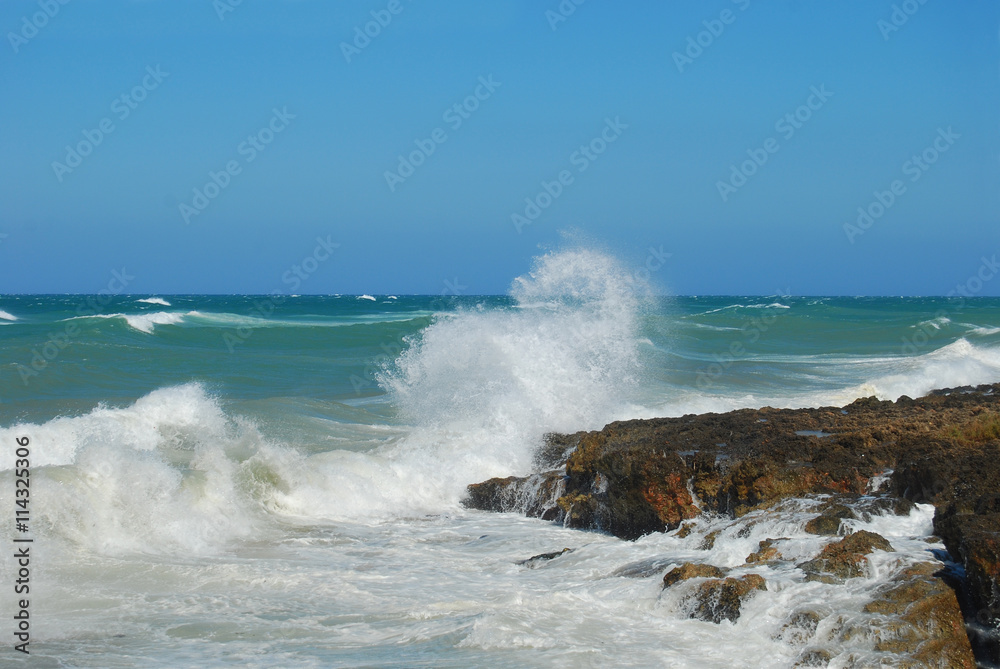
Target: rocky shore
636, 477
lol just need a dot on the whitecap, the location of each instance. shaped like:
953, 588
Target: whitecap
155, 300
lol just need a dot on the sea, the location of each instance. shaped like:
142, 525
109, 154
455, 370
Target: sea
277, 480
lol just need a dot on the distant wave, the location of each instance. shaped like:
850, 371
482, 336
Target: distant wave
960, 363
155, 300
773, 305
936, 323
715, 328
7, 316
147, 322
366, 297
981, 330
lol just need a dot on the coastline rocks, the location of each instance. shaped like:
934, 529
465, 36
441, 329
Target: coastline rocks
719, 597
918, 617
871, 457
691, 570
716, 600
536, 560
536, 496
766, 552
844, 559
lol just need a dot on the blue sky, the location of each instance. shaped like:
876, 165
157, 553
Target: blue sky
873, 83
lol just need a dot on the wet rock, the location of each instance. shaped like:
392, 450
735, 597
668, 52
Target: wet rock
684, 530
636, 477
555, 449
844, 559
765, 552
579, 511
691, 570
535, 496
800, 628
814, 657
828, 522
722, 599
537, 560
708, 543
919, 619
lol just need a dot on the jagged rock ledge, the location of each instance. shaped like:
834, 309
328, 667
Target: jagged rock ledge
640, 476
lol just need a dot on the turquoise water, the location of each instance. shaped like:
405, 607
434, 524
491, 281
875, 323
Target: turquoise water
322, 351
276, 481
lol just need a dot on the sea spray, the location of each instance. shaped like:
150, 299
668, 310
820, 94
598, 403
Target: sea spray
562, 358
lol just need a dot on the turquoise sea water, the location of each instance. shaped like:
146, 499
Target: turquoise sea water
276, 481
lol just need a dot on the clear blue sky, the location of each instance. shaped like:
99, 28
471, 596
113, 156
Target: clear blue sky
680, 127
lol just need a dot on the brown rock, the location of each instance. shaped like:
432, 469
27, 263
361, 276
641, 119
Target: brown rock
722, 599
765, 552
922, 620
844, 559
828, 522
691, 570
636, 477
814, 657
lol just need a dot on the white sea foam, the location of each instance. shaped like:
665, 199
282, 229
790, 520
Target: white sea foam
936, 323
981, 330
7, 316
159, 476
147, 322
772, 305
154, 300
480, 388
175, 514
366, 297
959, 363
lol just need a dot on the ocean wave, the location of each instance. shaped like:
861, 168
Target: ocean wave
773, 305
959, 363
981, 330
146, 322
155, 300
6, 316
936, 323
714, 328
159, 476
366, 297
